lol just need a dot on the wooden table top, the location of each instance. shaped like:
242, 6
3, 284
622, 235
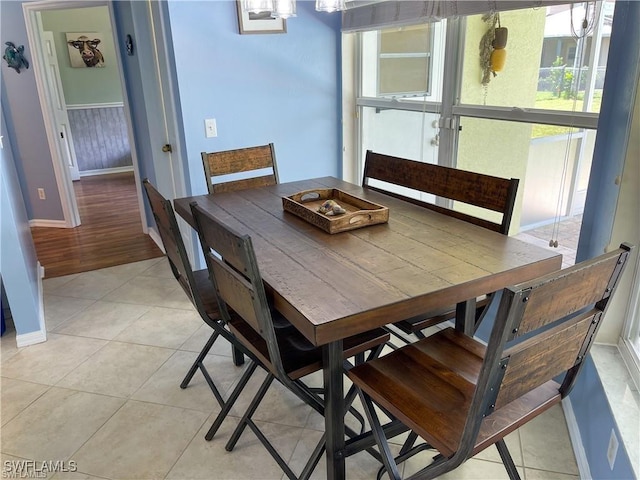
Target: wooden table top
333, 286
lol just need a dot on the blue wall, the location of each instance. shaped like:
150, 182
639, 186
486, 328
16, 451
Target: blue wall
18, 262
280, 88
595, 422
22, 109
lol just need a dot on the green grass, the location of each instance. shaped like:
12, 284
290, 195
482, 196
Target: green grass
548, 101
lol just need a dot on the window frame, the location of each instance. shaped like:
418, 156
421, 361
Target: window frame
629, 343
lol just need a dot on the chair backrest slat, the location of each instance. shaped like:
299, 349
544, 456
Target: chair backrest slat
242, 160
235, 185
547, 355
558, 296
236, 292
476, 189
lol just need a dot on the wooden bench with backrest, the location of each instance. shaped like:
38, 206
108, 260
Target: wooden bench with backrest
495, 194
259, 161
462, 397
485, 191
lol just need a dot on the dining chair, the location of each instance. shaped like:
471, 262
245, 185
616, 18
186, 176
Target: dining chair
284, 353
461, 396
449, 185
256, 165
198, 287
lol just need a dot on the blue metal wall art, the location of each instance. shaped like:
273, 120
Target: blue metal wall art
14, 56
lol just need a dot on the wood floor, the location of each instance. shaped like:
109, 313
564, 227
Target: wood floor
110, 233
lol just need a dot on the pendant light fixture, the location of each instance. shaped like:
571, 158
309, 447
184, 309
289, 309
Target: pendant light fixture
287, 8
283, 8
330, 5
257, 6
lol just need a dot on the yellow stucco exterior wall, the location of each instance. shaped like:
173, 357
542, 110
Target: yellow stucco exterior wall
497, 147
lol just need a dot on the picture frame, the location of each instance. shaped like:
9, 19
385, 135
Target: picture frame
84, 49
252, 23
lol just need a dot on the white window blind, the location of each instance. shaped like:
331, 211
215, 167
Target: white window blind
368, 15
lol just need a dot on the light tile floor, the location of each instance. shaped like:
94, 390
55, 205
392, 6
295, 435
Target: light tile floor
103, 392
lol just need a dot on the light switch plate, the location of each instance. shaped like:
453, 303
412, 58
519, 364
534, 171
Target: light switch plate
210, 128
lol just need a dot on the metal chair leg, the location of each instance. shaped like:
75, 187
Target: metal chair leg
387, 457
419, 334
231, 400
235, 436
408, 444
270, 448
238, 356
507, 460
397, 335
310, 395
314, 459
198, 362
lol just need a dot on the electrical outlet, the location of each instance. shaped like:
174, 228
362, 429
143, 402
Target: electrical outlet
210, 128
41, 194
612, 449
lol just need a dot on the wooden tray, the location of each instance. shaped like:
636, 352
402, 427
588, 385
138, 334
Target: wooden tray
360, 213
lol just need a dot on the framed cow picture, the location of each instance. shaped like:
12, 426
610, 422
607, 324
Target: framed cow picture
84, 50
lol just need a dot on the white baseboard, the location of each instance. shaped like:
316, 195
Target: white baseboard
38, 336
105, 171
48, 223
155, 236
43, 327
31, 338
89, 106
576, 440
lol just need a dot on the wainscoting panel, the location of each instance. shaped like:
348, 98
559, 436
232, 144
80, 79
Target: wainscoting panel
100, 136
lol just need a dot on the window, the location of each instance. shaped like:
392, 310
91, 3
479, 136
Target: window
535, 119
631, 338
404, 61
401, 66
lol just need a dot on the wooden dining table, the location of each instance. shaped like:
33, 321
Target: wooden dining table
331, 286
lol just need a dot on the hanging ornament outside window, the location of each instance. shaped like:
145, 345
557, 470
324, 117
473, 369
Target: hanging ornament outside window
493, 54
499, 54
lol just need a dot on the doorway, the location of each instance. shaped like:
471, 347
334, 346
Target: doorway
84, 77
59, 16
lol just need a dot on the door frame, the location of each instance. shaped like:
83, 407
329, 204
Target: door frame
63, 176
